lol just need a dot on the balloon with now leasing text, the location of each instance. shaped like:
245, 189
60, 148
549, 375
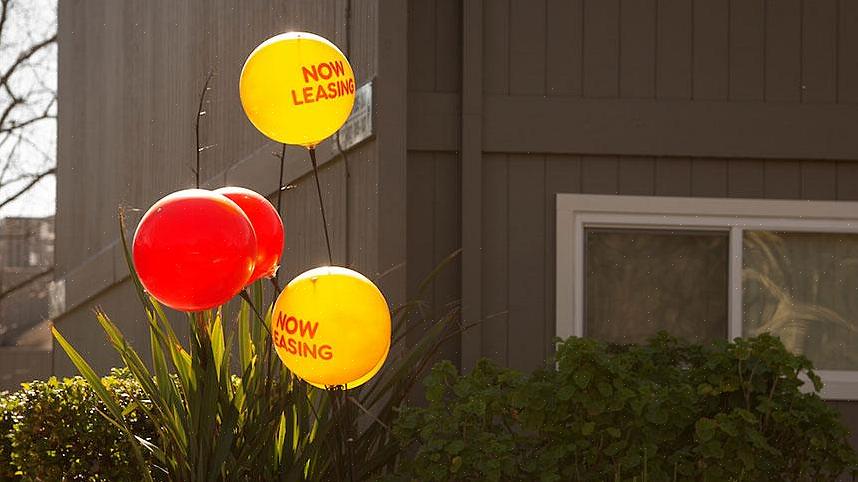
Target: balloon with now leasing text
297, 88
331, 326
360, 381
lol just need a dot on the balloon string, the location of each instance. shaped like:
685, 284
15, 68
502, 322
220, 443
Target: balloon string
349, 434
344, 423
200, 113
246, 297
280, 186
338, 432
321, 203
280, 189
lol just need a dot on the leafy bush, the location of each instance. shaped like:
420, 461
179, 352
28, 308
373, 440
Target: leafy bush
52, 430
8, 408
667, 411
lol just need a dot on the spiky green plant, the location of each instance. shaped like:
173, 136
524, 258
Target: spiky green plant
253, 420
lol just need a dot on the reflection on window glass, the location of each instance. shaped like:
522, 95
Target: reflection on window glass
803, 287
640, 282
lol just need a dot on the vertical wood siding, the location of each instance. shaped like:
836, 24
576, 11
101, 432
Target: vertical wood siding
130, 74
433, 228
731, 51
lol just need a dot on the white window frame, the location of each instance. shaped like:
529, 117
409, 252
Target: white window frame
575, 212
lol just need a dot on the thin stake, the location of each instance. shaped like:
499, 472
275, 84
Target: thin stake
246, 297
280, 186
339, 402
349, 435
321, 203
200, 113
338, 434
276, 285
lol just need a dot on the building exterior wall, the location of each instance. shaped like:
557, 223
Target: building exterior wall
130, 76
434, 202
513, 102
485, 110
670, 98
26, 262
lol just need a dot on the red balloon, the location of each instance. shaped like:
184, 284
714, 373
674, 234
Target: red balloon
267, 225
194, 250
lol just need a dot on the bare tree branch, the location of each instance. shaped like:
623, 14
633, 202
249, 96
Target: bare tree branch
35, 180
10, 158
24, 56
13, 103
46, 156
17, 125
15, 179
4, 15
27, 98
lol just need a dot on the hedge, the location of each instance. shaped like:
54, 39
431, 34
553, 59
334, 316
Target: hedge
52, 430
668, 411
664, 412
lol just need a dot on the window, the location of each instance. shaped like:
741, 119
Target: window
704, 269
638, 282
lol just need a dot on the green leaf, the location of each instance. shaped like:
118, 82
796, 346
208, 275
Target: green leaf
705, 428
582, 378
95, 382
455, 464
455, 447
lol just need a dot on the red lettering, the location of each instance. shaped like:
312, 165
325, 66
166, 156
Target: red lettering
323, 68
346, 87
281, 320
304, 349
338, 68
310, 73
291, 325
308, 352
295, 98
320, 92
308, 94
308, 327
332, 90
325, 352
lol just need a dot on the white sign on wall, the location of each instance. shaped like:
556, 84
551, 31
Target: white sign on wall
358, 127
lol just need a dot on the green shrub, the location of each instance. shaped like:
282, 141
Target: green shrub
53, 430
8, 409
663, 412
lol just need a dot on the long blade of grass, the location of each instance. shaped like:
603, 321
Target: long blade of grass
98, 387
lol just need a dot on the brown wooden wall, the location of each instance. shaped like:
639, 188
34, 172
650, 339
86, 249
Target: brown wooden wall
130, 77
434, 201
513, 101
485, 110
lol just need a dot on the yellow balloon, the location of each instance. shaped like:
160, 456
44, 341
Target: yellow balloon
360, 381
331, 326
297, 88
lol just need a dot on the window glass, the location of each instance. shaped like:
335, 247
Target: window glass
803, 287
639, 282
